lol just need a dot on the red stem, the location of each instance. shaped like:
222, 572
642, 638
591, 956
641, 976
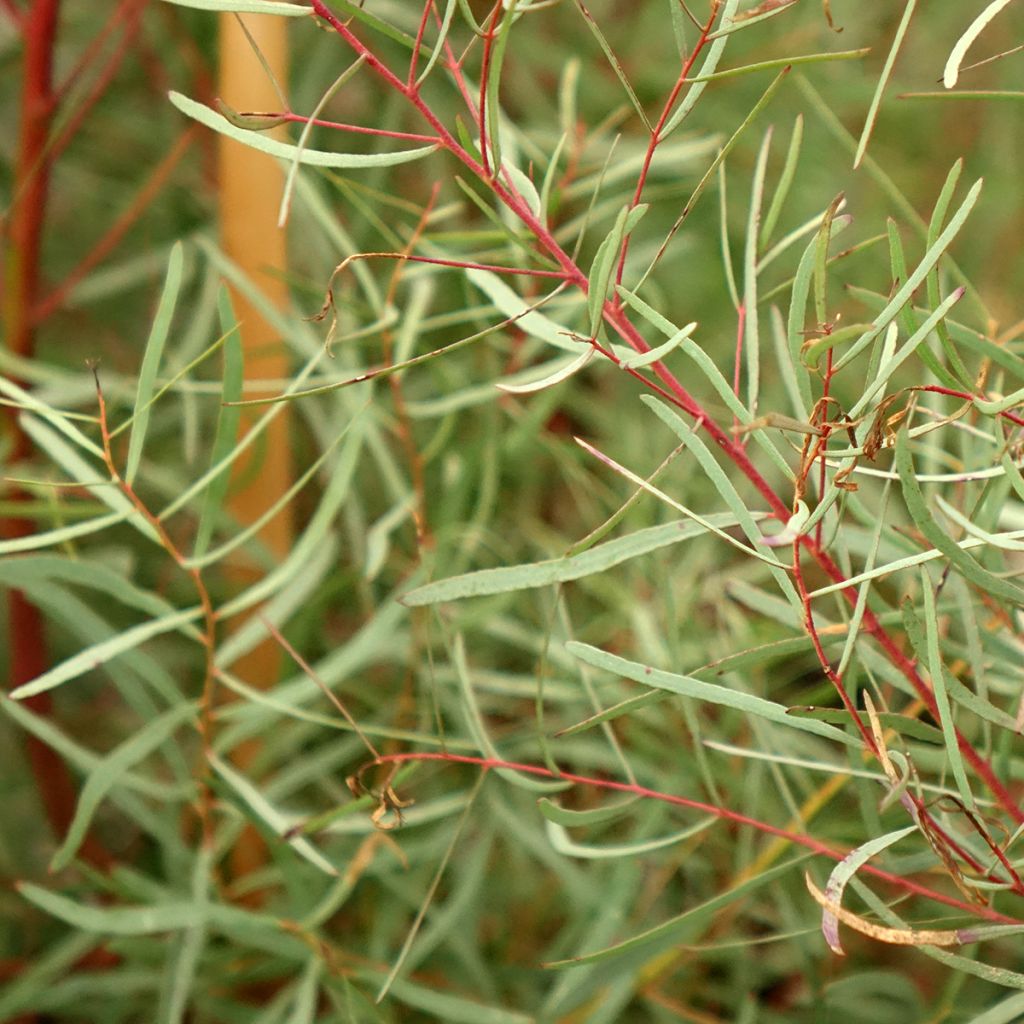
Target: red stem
723, 813
485, 70
967, 397
418, 45
655, 139
26, 633
356, 128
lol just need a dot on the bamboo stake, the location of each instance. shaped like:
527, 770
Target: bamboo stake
250, 186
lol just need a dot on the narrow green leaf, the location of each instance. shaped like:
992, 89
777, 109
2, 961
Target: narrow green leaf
515, 307
76, 468
227, 422
914, 281
304, 550
442, 36
751, 333
61, 535
785, 181
478, 729
723, 485
98, 654
696, 917
62, 422
410, 938
748, 19
883, 79
720, 156
1006, 1011
898, 358
564, 369
183, 963
569, 818
307, 129
311, 157
151, 360
143, 920
307, 991
687, 686
710, 65
965, 379
723, 235
485, 582
565, 845
442, 1006
782, 62
277, 822
936, 670
607, 254
282, 502
912, 728
655, 355
613, 61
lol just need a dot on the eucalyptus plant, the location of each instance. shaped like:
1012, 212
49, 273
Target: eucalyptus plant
653, 619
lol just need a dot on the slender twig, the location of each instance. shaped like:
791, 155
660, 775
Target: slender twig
209, 635
656, 134
723, 813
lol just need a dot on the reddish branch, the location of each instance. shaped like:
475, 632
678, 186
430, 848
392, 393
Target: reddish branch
656, 133
615, 316
722, 813
31, 186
